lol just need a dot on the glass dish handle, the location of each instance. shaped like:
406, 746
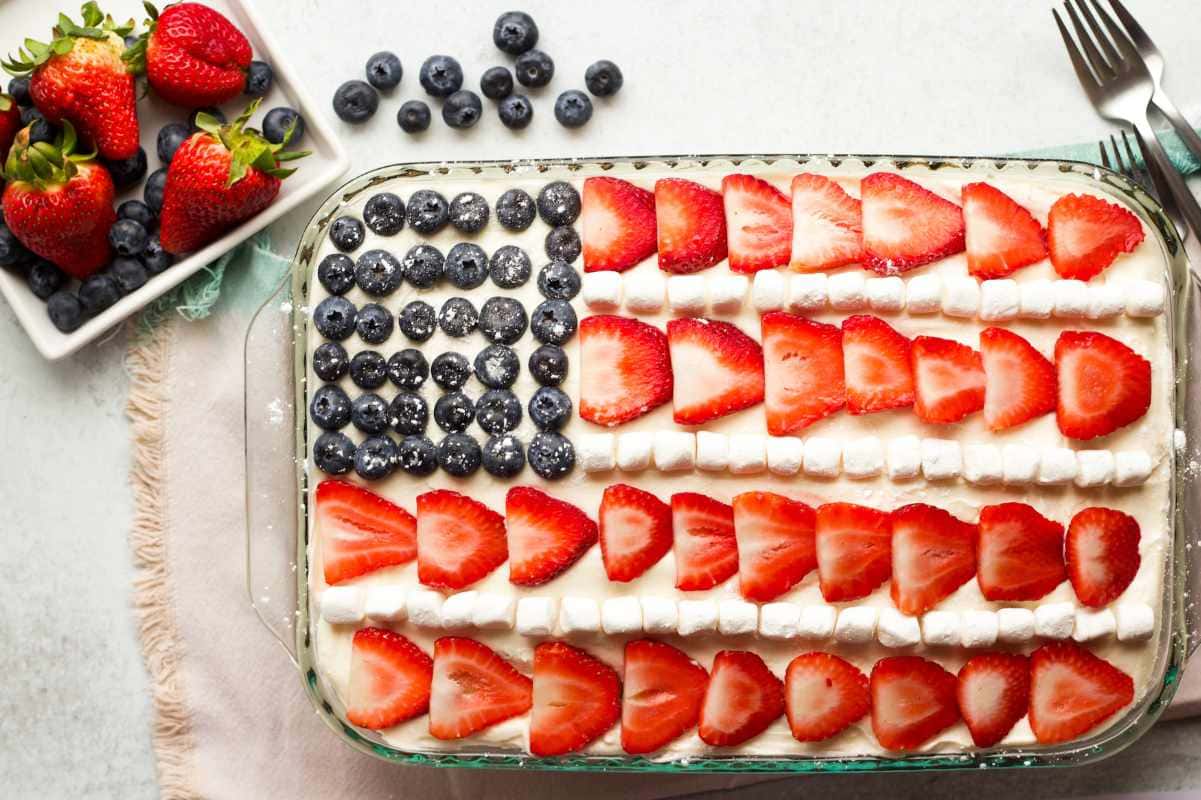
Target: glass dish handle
271, 497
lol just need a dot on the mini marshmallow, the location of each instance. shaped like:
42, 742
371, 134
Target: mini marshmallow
1019, 463
727, 292
385, 603
816, 622
425, 608
594, 452
940, 628
847, 291
1000, 300
923, 295
863, 458
779, 620
769, 291
686, 294
579, 615
697, 616
1093, 624
601, 291
982, 464
1135, 621
1037, 300
1015, 625
960, 296
1094, 467
494, 612
712, 451
904, 456
808, 292
856, 625
644, 291
886, 294
1054, 620
979, 629
1131, 467
342, 605
621, 615
941, 459
674, 451
1106, 300
748, 453
822, 457
785, 454
736, 617
1070, 297
459, 610
895, 629
634, 451
535, 616
659, 615
1057, 465
1144, 298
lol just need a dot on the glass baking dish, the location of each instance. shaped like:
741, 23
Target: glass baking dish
278, 483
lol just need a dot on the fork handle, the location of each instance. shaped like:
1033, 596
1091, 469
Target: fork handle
1181, 194
1191, 140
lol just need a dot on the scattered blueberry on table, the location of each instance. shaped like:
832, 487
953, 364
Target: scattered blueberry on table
384, 70
441, 76
496, 83
573, 109
462, 109
603, 78
413, 117
356, 101
515, 32
515, 111
534, 69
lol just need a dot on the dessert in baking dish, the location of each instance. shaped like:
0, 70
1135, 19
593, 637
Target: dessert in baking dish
765, 460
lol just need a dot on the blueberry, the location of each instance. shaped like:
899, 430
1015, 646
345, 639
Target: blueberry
334, 318
368, 370
355, 102
534, 68
42, 131
503, 456
462, 109
277, 122
259, 77
515, 210
330, 408
152, 191
369, 413
347, 234
469, 212
417, 320
12, 252
374, 323
170, 137
459, 455
558, 203
139, 212
384, 214
496, 83
510, 267
454, 412
129, 273
558, 280
384, 70
408, 368
551, 455
502, 320
417, 455
428, 211
573, 109
458, 317
336, 273
330, 361
548, 365
18, 88
550, 408
413, 116
154, 257
98, 292
515, 32
333, 453
212, 111
127, 237
498, 411
408, 414
127, 172
553, 322
65, 310
423, 265
30, 115
603, 78
466, 265
378, 273
515, 111
563, 244
441, 76
375, 458
450, 370
497, 366
45, 279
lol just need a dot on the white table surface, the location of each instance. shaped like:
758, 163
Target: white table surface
937, 76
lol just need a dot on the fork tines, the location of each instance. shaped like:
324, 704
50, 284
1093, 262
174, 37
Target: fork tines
1104, 62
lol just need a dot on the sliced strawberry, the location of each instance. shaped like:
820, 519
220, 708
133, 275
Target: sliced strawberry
704, 544
933, 554
912, 700
1019, 381
906, 225
662, 692
1103, 384
1019, 553
823, 694
618, 223
389, 679
546, 535
473, 688
876, 361
854, 550
948, 379
742, 699
994, 691
803, 371
758, 223
635, 531
776, 546
459, 541
1085, 234
692, 226
625, 369
361, 531
1072, 690
717, 370
1001, 236
1102, 552
577, 698
827, 225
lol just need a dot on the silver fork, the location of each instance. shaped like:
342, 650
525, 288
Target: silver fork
1143, 174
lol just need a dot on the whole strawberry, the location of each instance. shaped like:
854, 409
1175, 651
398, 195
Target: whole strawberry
10, 123
58, 203
79, 77
192, 55
220, 177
